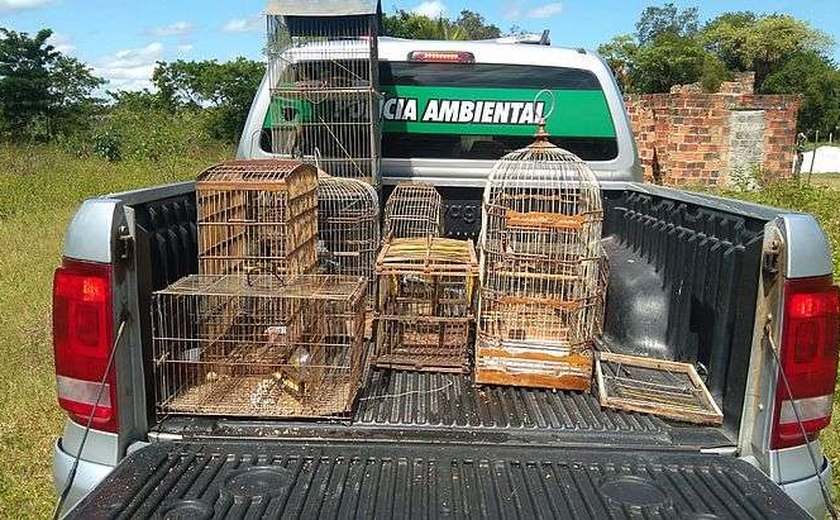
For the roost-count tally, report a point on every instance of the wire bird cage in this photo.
(543, 270)
(257, 216)
(259, 345)
(348, 229)
(426, 304)
(413, 211)
(324, 77)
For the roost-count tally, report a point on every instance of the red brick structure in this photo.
(689, 137)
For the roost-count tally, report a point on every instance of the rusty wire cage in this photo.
(259, 345)
(413, 211)
(257, 216)
(324, 77)
(348, 229)
(543, 270)
(426, 305)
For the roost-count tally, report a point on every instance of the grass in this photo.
(39, 190)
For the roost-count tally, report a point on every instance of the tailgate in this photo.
(273, 479)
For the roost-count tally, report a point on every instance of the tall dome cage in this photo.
(323, 71)
(348, 229)
(543, 270)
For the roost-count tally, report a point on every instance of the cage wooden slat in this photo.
(257, 216)
(427, 289)
(259, 345)
(543, 270)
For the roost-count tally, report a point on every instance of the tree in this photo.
(620, 54)
(226, 90)
(468, 26)
(817, 80)
(42, 92)
(671, 59)
(748, 42)
(668, 19)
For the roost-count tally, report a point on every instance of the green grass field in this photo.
(39, 190)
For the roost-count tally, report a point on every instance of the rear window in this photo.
(474, 111)
(483, 111)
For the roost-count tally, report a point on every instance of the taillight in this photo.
(441, 57)
(82, 337)
(808, 356)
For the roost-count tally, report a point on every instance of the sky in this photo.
(122, 40)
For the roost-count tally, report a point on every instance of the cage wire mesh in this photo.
(324, 82)
(348, 229)
(543, 270)
(413, 211)
(259, 345)
(257, 216)
(426, 304)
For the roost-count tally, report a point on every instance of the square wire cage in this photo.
(543, 270)
(413, 211)
(259, 346)
(348, 230)
(323, 71)
(427, 289)
(257, 217)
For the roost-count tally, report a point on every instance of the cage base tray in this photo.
(658, 387)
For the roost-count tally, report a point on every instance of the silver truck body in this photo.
(92, 235)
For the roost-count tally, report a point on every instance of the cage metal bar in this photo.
(259, 345)
(413, 211)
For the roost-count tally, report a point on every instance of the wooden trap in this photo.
(664, 388)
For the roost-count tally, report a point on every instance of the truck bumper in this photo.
(88, 476)
(807, 493)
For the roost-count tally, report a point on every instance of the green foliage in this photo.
(669, 60)
(468, 26)
(43, 94)
(223, 90)
(746, 41)
(657, 21)
(818, 81)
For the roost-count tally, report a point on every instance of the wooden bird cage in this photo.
(323, 71)
(259, 345)
(257, 217)
(543, 270)
(427, 289)
(348, 229)
(413, 211)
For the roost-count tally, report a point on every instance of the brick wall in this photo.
(692, 138)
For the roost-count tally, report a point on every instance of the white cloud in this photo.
(62, 43)
(244, 25)
(7, 6)
(430, 8)
(545, 10)
(130, 69)
(174, 29)
(185, 48)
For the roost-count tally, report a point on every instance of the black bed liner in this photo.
(287, 479)
(430, 407)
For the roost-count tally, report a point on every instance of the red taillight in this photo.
(83, 330)
(441, 57)
(808, 356)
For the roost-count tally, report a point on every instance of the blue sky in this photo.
(122, 40)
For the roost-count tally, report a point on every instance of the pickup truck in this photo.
(743, 292)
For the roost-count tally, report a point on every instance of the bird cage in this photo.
(348, 229)
(413, 211)
(543, 270)
(259, 345)
(257, 216)
(426, 304)
(324, 81)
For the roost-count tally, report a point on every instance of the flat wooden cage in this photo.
(259, 345)
(427, 289)
(543, 270)
(257, 217)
